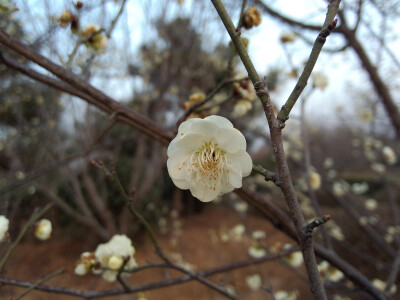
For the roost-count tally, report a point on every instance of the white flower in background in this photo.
(340, 188)
(389, 156)
(254, 282)
(335, 275)
(359, 188)
(256, 251)
(231, 289)
(328, 162)
(43, 229)
(381, 285)
(319, 80)
(208, 156)
(3, 227)
(371, 204)
(294, 259)
(363, 220)
(241, 206)
(112, 255)
(315, 180)
(258, 234)
(237, 232)
(283, 295)
(378, 167)
(323, 267)
(241, 108)
(87, 261)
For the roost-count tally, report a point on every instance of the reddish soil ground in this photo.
(199, 244)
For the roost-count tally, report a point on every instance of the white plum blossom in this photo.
(371, 204)
(86, 262)
(315, 180)
(359, 188)
(283, 295)
(3, 227)
(43, 229)
(257, 251)
(258, 234)
(381, 285)
(254, 282)
(208, 156)
(340, 188)
(389, 155)
(294, 259)
(112, 255)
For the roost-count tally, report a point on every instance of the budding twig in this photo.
(309, 228)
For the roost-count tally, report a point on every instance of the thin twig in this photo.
(276, 138)
(268, 175)
(326, 30)
(39, 282)
(153, 285)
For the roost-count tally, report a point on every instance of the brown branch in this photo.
(153, 285)
(281, 221)
(102, 101)
(308, 230)
(326, 30)
(89, 222)
(287, 20)
(376, 80)
(275, 128)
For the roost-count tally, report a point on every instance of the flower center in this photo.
(207, 165)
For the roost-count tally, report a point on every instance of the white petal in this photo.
(226, 188)
(182, 184)
(185, 126)
(204, 193)
(220, 121)
(231, 140)
(244, 159)
(175, 168)
(185, 145)
(206, 128)
(235, 175)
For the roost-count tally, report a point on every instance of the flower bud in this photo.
(251, 17)
(43, 229)
(115, 262)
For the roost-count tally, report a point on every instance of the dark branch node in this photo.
(261, 88)
(309, 228)
(238, 31)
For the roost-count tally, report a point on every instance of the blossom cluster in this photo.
(108, 258)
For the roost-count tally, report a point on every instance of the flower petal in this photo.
(174, 166)
(204, 193)
(182, 184)
(231, 140)
(220, 121)
(185, 145)
(184, 127)
(206, 128)
(235, 174)
(244, 159)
